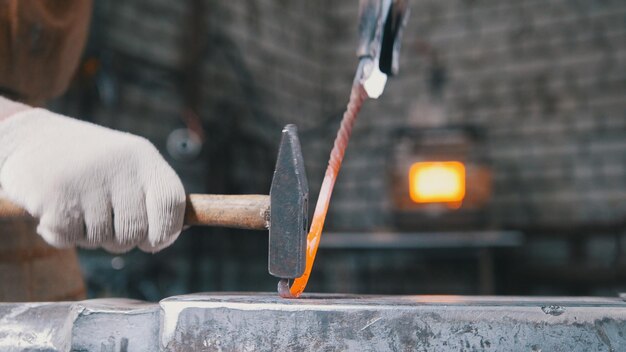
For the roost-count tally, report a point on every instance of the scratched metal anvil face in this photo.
(265, 322)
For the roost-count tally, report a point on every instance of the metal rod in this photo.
(357, 97)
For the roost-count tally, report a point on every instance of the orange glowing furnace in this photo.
(437, 182)
(439, 179)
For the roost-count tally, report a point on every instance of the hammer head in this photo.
(289, 215)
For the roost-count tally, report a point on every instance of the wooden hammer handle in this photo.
(250, 211)
(235, 211)
(11, 210)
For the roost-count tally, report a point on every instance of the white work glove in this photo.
(89, 186)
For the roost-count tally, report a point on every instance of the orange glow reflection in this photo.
(437, 182)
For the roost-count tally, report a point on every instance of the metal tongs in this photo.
(381, 23)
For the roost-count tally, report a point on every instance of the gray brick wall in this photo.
(546, 81)
(263, 68)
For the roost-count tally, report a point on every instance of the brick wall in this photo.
(545, 80)
(262, 67)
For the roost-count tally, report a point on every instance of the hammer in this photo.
(284, 212)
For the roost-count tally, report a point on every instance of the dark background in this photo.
(543, 81)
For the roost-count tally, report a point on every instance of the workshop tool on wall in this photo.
(380, 31)
(284, 212)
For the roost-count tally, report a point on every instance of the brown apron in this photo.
(41, 42)
(31, 270)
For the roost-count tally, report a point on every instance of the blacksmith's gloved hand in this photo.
(89, 186)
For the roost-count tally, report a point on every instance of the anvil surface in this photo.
(265, 322)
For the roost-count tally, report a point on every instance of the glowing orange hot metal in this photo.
(357, 96)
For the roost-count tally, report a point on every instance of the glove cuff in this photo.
(9, 108)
